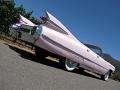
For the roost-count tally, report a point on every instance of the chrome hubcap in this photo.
(70, 65)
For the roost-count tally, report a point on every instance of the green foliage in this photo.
(116, 76)
(21, 10)
(36, 21)
(28, 14)
(9, 14)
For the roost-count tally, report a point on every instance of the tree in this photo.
(28, 14)
(9, 14)
(34, 20)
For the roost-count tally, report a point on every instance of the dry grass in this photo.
(22, 45)
(18, 44)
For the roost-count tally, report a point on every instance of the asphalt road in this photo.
(20, 70)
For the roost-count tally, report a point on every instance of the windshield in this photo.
(95, 49)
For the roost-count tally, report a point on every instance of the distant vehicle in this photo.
(54, 39)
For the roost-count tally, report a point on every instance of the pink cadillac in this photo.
(53, 38)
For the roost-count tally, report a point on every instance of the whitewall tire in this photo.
(70, 65)
(105, 77)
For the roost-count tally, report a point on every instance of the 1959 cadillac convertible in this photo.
(53, 38)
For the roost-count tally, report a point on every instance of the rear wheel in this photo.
(68, 64)
(40, 53)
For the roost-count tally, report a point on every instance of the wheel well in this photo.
(110, 72)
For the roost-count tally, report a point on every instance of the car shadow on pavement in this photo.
(32, 57)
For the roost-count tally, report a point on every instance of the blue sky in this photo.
(91, 21)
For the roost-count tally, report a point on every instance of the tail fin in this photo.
(25, 23)
(55, 24)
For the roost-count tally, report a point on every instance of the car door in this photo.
(90, 60)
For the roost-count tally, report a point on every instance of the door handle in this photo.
(88, 50)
